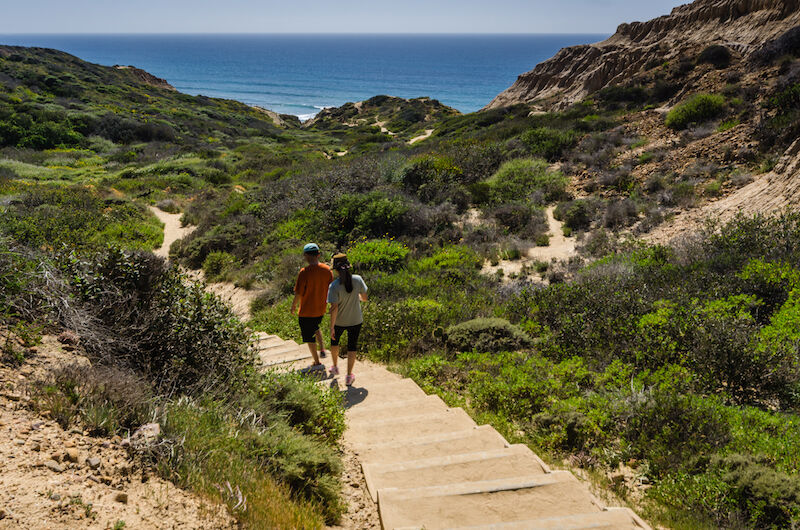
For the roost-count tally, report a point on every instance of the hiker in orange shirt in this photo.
(311, 292)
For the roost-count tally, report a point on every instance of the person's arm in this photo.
(363, 294)
(298, 286)
(334, 311)
(362, 297)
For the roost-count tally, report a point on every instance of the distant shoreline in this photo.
(300, 74)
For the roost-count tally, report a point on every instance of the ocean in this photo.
(301, 74)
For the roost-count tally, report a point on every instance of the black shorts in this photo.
(309, 327)
(352, 336)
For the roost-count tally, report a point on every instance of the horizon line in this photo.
(287, 33)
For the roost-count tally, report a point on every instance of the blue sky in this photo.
(326, 16)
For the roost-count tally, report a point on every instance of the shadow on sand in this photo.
(354, 395)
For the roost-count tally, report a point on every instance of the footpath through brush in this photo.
(430, 466)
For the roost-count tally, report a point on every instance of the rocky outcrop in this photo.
(743, 26)
(146, 77)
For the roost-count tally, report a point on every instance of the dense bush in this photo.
(548, 143)
(522, 178)
(79, 217)
(487, 334)
(378, 254)
(697, 109)
(522, 219)
(157, 323)
(216, 263)
(576, 215)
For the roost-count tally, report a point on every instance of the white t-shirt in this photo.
(349, 305)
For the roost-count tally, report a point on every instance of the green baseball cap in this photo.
(311, 248)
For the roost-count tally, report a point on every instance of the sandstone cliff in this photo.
(743, 26)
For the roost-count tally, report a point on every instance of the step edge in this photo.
(477, 487)
(440, 437)
(372, 470)
(455, 411)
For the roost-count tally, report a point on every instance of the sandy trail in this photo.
(560, 248)
(173, 230)
(239, 299)
(427, 134)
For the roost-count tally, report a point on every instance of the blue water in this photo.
(300, 74)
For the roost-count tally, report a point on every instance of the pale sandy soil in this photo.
(427, 134)
(74, 494)
(560, 248)
(172, 230)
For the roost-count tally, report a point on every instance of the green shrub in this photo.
(371, 215)
(213, 444)
(378, 254)
(79, 217)
(157, 323)
(549, 143)
(576, 215)
(521, 218)
(487, 334)
(434, 178)
(699, 108)
(517, 179)
(770, 499)
(671, 429)
(216, 263)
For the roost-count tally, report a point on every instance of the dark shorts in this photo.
(309, 327)
(352, 336)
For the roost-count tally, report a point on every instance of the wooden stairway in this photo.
(430, 466)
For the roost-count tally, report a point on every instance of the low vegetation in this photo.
(669, 373)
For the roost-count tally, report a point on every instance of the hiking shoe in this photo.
(323, 354)
(349, 379)
(334, 371)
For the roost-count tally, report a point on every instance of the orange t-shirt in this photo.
(312, 289)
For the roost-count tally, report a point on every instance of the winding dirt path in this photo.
(173, 230)
(560, 248)
(427, 134)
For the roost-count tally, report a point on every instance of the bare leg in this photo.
(320, 342)
(351, 361)
(312, 347)
(335, 355)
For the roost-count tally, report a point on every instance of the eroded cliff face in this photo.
(743, 26)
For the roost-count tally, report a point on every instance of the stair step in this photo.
(496, 501)
(402, 390)
(274, 361)
(439, 444)
(268, 340)
(396, 408)
(409, 428)
(610, 518)
(514, 461)
(279, 349)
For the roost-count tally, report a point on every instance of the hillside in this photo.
(386, 115)
(742, 26)
(521, 263)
